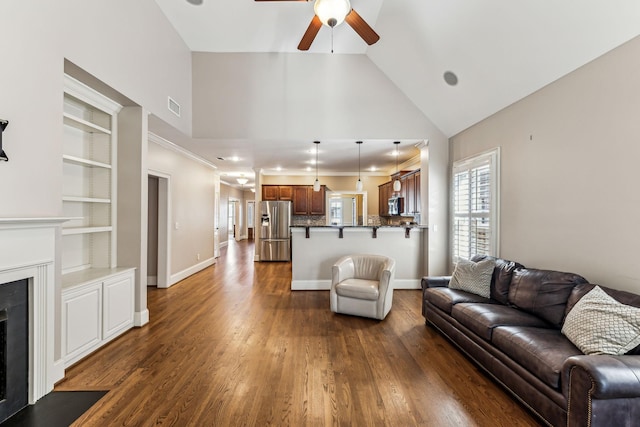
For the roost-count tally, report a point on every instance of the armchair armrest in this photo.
(602, 390)
(435, 281)
(343, 269)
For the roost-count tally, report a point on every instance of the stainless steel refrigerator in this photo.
(275, 236)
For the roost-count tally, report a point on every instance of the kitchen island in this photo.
(314, 250)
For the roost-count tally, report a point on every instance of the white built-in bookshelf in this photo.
(97, 296)
(89, 179)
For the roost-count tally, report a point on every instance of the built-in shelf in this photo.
(88, 275)
(85, 162)
(84, 125)
(85, 199)
(85, 230)
(89, 179)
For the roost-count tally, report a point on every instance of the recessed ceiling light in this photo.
(278, 168)
(450, 78)
(235, 159)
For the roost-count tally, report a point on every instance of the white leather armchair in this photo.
(362, 285)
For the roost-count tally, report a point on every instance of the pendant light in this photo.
(316, 183)
(359, 183)
(396, 184)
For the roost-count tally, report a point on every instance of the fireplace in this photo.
(14, 349)
(28, 258)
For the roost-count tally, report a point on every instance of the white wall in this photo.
(293, 96)
(569, 171)
(192, 188)
(137, 52)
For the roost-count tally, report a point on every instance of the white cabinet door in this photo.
(82, 321)
(118, 305)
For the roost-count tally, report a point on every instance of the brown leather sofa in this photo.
(515, 336)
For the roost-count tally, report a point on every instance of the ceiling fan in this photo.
(332, 13)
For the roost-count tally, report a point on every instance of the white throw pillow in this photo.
(474, 277)
(598, 324)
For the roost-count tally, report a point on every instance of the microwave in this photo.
(396, 205)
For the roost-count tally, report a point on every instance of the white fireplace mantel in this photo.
(28, 251)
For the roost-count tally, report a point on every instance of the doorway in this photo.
(158, 231)
(251, 208)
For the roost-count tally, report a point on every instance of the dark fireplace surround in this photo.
(14, 347)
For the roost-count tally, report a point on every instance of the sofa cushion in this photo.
(627, 298)
(543, 292)
(358, 288)
(501, 278)
(483, 318)
(446, 298)
(598, 324)
(541, 351)
(474, 277)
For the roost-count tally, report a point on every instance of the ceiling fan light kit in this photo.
(332, 13)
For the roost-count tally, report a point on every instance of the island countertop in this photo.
(361, 226)
(314, 249)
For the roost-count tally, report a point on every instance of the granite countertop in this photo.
(361, 226)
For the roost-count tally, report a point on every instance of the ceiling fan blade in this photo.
(361, 27)
(310, 34)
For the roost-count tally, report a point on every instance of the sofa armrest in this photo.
(602, 390)
(435, 281)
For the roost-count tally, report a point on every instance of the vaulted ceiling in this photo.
(500, 51)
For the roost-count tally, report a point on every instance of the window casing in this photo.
(475, 205)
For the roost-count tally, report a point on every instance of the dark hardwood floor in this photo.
(232, 345)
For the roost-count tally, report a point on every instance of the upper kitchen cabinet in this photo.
(305, 200)
(308, 202)
(277, 192)
(409, 191)
(385, 191)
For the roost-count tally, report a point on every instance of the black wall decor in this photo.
(3, 125)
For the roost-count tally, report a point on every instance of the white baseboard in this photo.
(152, 280)
(310, 285)
(175, 278)
(58, 371)
(223, 244)
(325, 285)
(407, 284)
(140, 318)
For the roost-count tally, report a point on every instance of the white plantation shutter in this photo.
(475, 206)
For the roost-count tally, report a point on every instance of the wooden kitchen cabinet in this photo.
(385, 191)
(317, 205)
(286, 192)
(277, 192)
(301, 202)
(410, 191)
(308, 202)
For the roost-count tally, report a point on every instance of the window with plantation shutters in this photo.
(475, 206)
